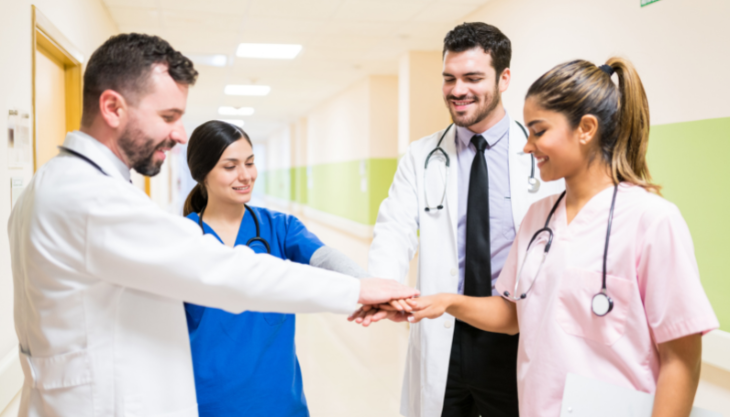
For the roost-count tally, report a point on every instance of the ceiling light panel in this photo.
(247, 90)
(235, 111)
(268, 50)
(210, 60)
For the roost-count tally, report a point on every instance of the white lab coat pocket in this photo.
(63, 382)
(574, 312)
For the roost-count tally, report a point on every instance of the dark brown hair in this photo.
(478, 34)
(124, 63)
(580, 88)
(206, 145)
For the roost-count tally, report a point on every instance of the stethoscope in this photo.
(251, 241)
(601, 304)
(533, 184)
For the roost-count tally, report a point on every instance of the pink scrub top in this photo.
(652, 277)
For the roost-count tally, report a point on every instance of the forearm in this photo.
(333, 260)
(679, 375)
(493, 314)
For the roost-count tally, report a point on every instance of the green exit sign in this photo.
(647, 2)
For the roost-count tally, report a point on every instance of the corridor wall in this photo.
(339, 159)
(87, 24)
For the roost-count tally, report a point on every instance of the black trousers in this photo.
(482, 379)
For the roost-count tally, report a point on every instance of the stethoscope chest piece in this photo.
(533, 185)
(601, 304)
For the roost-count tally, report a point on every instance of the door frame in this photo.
(47, 37)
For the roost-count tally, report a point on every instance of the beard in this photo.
(140, 150)
(485, 105)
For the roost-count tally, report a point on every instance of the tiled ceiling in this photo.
(344, 40)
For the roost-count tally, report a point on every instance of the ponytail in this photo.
(628, 162)
(579, 88)
(196, 201)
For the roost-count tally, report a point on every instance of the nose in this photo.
(178, 133)
(244, 174)
(460, 88)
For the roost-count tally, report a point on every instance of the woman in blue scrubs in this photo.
(246, 364)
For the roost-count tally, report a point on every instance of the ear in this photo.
(113, 108)
(587, 129)
(504, 80)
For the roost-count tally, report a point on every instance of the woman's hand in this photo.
(429, 307)
(396, 310)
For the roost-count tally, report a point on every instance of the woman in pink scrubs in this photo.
(594, 133)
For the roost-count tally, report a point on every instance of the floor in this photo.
(349, 370)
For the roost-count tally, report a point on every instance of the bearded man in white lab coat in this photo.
(487, 184)
(100, 272)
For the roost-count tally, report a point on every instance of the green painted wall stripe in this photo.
(689, 161)
(352, 190)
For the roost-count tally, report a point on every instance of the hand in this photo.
(429, 307)
(378, 291)
(368, 314)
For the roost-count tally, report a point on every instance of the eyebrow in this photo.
(468, 74)
(236, 159)
(174, 110)
(534, 122)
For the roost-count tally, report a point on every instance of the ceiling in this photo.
(344, 40)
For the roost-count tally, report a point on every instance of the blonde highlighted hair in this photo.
(580, 88)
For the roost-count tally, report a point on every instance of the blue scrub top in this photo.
(246, 364)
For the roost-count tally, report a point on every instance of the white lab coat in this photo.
(100, 273)
(396, 239)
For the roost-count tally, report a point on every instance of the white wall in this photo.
(87, 24)
(679, 47)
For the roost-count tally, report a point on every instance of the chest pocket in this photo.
(574, 312)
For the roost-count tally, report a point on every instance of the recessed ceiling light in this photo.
(234, 122)
(268, 50)
(247, 90)
(233, 111)
(211, 60)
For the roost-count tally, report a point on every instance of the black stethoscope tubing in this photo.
(601, 304)
(254, 239)
(534, 183)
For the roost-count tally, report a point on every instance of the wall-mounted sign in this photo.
(647, 2)
(16, 188)
(19, 147)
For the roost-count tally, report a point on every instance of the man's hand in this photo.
(378, 291)
(429, 307)
(366, 315)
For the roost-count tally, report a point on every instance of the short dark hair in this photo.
(123, 64)
(470, 35)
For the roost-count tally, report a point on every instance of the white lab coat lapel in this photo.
(80, 144)
(452, 192)
(519, 172)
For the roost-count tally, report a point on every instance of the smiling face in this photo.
(560, 150)
(232, 179)
(154, 124)
(471, 88)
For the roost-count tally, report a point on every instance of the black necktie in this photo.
(478, 262)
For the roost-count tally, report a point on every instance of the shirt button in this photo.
(447, 324)
(453, 272)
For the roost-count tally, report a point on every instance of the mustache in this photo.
(169, 143)
(464, 97)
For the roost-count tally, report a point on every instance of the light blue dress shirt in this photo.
(501, 223)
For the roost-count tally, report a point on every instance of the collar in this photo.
(492, 135)
(91, 148)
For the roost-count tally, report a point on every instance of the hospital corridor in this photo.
(364, 208)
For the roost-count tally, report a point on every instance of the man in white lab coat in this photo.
(465, 189)
(100, 272)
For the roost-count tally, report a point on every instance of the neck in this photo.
(106, 137)
(223, 212)
(490, 121)
(583, 185)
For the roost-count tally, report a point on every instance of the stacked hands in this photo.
(387, 299)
